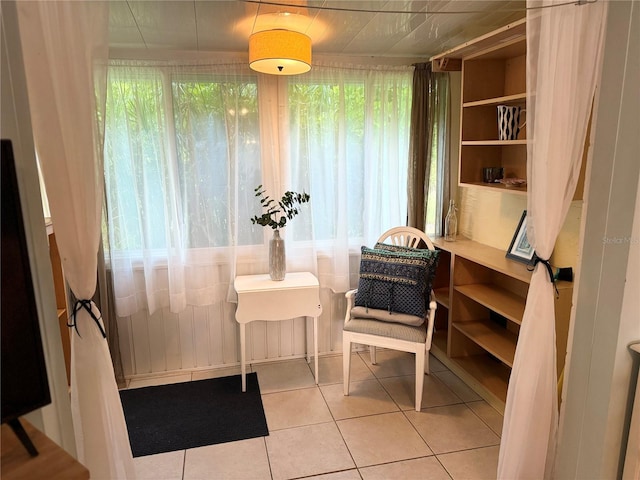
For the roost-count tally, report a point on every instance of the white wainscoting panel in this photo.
(207, 337)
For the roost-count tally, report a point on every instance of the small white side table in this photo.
(260, 298)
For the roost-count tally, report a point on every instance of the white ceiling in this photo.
(418, 28)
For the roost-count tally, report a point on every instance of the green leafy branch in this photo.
(278, 213)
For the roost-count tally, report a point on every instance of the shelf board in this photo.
(498, 299)
(496, 340)
(520, 98)
(496, 186)
(490, 374)
(442, 296)
(498, 143)
(487, 256)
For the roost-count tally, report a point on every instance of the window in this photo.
(348, 134)
(174, 147)
(319, 115)
(185, 148)
(216, 132)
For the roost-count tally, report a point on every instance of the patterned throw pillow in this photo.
(396, 280)
(431, 271)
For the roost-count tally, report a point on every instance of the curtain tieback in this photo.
(86, 304)
(536, 260)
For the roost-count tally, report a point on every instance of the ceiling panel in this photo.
(166, 24)
(224, 29)
(377, 28)
(122, 26)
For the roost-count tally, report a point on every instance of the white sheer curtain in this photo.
(187, 145)
(65, 50)
(563, 66)
(348, 143)
(182, 158)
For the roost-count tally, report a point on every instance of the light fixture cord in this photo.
(454, 12)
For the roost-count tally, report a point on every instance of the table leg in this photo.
(243, 366)
(307, 334)
(315, 345)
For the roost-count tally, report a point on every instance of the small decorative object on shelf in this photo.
(276, 216)
(520, 249)
(451, 223)
(513, 182)
(492, 174)
(509, 122)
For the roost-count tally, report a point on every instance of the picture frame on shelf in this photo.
(520, 249)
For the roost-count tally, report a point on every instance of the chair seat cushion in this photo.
(386, 316)
(387, 329)
(396, 281)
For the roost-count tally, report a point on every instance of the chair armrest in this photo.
(351, 298)
(432, 301)
(430, 320)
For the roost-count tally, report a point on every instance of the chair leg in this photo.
(346, 362)
(426, 363)
(372, 354)
(420, 366)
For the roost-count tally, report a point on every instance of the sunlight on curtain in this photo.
(186, 146)
(564, 55)
(348, 145)
(182, 158)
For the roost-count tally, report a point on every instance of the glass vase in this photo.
(451, 223)
(277, 258)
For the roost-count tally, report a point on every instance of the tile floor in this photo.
(375, 433)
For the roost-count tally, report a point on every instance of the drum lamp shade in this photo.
(280, 52)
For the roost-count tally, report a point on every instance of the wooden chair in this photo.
(396, 336)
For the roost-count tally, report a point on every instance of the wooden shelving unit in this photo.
(498, 143)
(501, 301)
(493, 73)
(517, 99)
(442, 296)
(497, 341)
(493, 375)
(486, 291)
(487, 296)
(60, 288)
(441, 291)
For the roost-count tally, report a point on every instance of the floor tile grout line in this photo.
(443, 467)
(433, 455)
(471, 449)
(416, 429)
(400, 410)
(483, 421)
(335, 422)
(328, 473)
(266, 450)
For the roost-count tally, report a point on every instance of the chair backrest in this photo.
(406, 237)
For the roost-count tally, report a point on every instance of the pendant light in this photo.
(280, 52)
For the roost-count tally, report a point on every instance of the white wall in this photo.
(595, 413)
